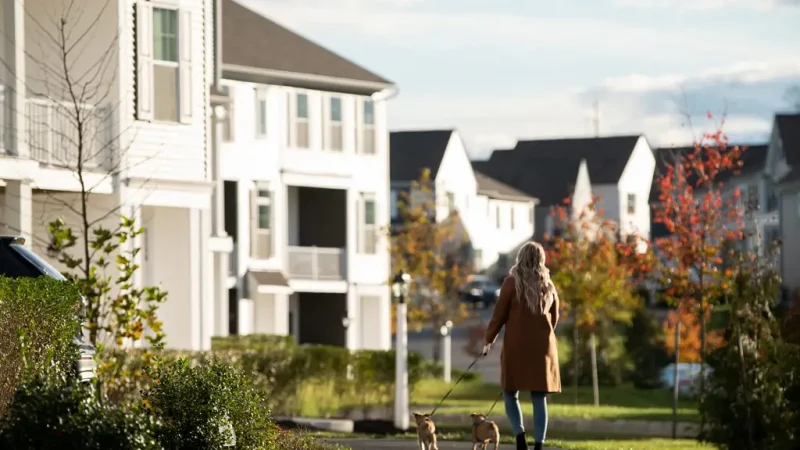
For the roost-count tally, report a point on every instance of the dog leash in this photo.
(494, 404)
(456, 384)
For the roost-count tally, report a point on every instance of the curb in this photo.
(337, 425)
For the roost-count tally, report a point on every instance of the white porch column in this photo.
(201, 317)
(221, 244)
(18, 210)
(14, 78)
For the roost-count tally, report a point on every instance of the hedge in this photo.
(38, 326)
(312, 379)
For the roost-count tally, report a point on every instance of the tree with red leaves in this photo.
(594, 272)
(703, 221)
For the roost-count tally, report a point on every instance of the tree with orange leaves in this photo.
(689, 339)
(702, 221)
(594, 273)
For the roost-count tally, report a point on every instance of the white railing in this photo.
(52, 134)
(316, 263)
(54, 138)
(233, 259)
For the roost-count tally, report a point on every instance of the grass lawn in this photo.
(623, 402)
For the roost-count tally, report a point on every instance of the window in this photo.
(301, 128)
(393, 199)
(369, 232)
(261, 224)
(335, 139)
(261, 112)
(368, 127)
(511, 215)
(631, 203)
(497, 216)
(227, 125)
(450, 199)
(166, 76)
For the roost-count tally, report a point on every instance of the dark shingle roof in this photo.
(606, 157)
(412, 151)
(754, 160)
(251, 40)
(789, 132)
(550, 180)
(492, 188)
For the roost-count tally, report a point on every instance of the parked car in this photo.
(480, 292)
(18, 261)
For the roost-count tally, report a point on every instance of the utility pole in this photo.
(596, 118)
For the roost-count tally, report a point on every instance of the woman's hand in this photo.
(486, 349)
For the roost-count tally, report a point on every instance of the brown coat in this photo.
(529, 359)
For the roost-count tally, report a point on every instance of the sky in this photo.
(504, 70)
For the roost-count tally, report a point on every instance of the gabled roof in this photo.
(492, 188)
(550, 180)
(412, 151)
(253, 41)
(606, 157)
(754, 160)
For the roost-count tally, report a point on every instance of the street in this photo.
(392, 444)
(422, 342)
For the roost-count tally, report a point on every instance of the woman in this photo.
(528, 308)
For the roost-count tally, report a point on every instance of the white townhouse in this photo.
(139, 72)
(496, 217)
(305, 160)
(618, 168)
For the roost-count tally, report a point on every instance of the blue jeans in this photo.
(514, 413)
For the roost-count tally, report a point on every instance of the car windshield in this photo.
(37, 261)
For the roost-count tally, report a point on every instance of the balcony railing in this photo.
(53, 135)
(233, 261)
(316, 263)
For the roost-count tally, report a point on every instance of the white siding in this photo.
(251, 158)
(637, 178)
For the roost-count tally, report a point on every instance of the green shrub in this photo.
(251, 342)
(38, 325)
(752, 397)
(613, 362)
(49, 412)
(196, 406)
(644, 343)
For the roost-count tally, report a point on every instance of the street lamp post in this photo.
(346, 326)
(400, 287)
(447, 356)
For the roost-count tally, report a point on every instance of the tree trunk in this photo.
(595, 383)
(575, 359)
(676, 379)
(702, 352)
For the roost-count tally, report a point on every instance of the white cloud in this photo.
(699, 5)
(669, 109)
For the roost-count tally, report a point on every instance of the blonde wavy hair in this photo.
(532, 278)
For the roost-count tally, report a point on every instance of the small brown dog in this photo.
(426, 432)
(483, 432)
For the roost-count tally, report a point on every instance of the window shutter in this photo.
(254, 222)
(144, 60)
(185, 66)
(289, 119)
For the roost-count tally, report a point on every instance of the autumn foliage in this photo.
(594, 271)
(703, 221)
(432, 250)
(689, 340)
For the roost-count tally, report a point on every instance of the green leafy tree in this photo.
(116, 310)
(435, 253)
(645, 343)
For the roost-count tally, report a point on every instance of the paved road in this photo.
(392, 444)
(422, 342)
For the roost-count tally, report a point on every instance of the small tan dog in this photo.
(426, 432)
(483, 432)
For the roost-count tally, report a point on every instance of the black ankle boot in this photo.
(521, 445)
(537, 446)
